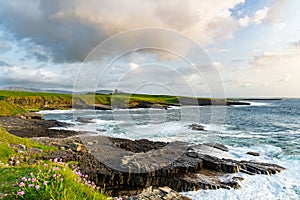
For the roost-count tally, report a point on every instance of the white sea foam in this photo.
(282, 186)
(253, 103)
(44, 112)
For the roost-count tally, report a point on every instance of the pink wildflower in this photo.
(37, 187)
(21, 184)
(21, 193)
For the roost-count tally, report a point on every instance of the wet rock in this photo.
(84, 120)
(196, 127)
(252, 153)
(217, 146)
(161, 193)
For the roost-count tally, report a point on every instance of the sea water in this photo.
(271, 128)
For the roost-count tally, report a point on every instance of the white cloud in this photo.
(272, 14)
(284, 57)
(276, 13)
(258, 17)
(244, 21)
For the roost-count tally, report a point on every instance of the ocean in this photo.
(269, 127)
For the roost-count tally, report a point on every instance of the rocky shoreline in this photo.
(28, 127)
(126, 167)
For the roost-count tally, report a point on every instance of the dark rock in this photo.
(252, 153)
(84, 120)
(31, 116)
(217, 146)
(238, 103)
(136, 146)
(196, 127)
(35, 127)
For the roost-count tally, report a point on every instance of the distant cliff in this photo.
(16, 102)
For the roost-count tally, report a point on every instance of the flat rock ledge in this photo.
(33, 125)
(126, 167)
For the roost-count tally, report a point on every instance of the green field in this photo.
(18, 102)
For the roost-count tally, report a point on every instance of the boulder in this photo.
(252, 153)
(196, 127)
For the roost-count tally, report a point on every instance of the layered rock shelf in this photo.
(126, 167)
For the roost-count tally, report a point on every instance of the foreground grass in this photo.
(6, 139)
(9, 177)
(43, 180)
(50, 180)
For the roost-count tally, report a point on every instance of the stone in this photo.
(253, 153)
(35, 150)
(162, 193)
(76, 146)
(21, 147)
(95, 141)
(222, 147)
(196, 127)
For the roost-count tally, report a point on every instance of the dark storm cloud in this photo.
(70, 29)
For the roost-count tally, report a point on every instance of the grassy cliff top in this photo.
(18, 102)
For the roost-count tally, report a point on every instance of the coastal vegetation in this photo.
(40, 179)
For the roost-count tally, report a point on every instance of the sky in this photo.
(231, 48)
